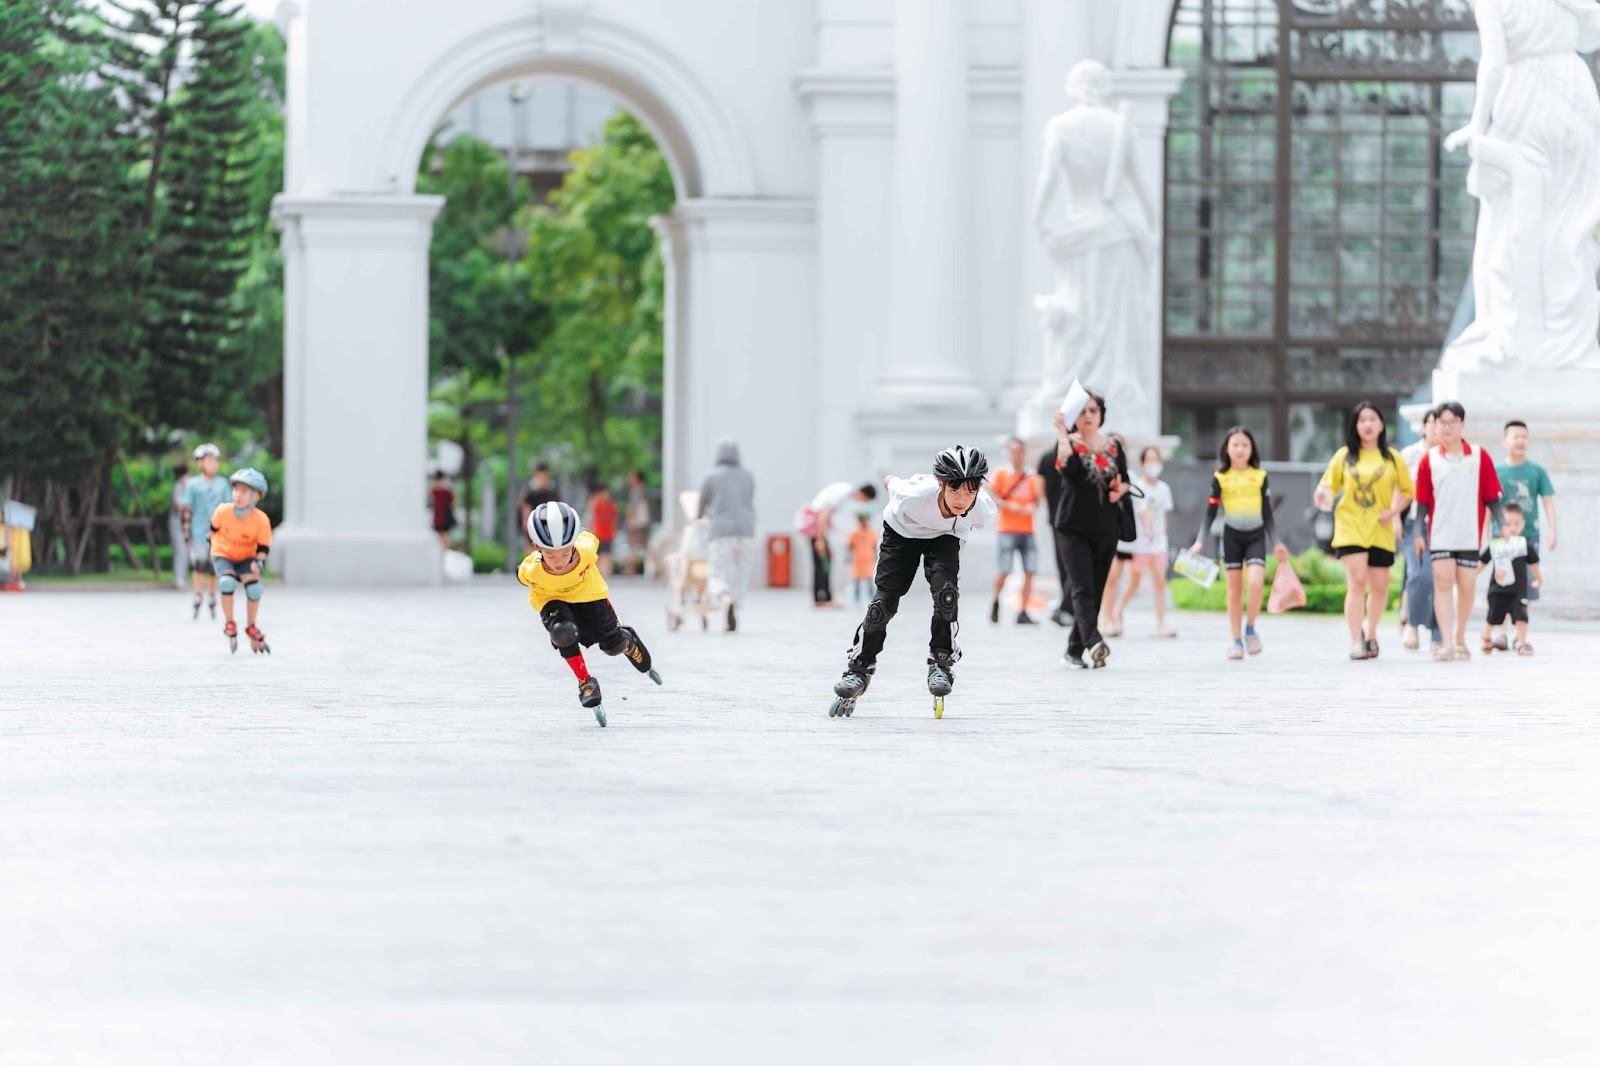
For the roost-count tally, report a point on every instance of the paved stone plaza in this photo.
(400, 840)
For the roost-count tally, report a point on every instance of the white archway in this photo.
(738, 264)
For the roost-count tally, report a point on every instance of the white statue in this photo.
(1097, 322)
(1534, 139)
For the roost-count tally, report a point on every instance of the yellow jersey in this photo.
(1242, 495)
(582, 584)
(1365, 490)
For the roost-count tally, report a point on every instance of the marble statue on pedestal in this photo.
(1097, 318)
(1531, 351)
(1534, 140)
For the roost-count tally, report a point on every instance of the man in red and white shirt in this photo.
(1456, 486)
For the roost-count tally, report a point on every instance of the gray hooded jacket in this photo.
(728, 497)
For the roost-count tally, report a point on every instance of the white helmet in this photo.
(204, 450)
(553, 526)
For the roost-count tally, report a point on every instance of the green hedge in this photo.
(1322, 576)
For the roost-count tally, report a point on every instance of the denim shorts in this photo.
(1009, 544)
(235, 567)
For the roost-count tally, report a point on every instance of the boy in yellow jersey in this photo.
(568, 590)
(240, 538)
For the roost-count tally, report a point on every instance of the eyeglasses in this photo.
(1447, 423)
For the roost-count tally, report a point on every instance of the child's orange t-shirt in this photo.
(863, 552)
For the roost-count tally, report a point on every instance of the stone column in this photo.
(852, 124)
(741, 347)
(929, 290)
(355, 381)
(1151, 92)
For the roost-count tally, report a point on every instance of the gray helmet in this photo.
(553, 526)
(206, 449)
(250, 477)
(960, 464)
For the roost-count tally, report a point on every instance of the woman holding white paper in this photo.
(1094, 472)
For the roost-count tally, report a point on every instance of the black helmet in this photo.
(960, 464)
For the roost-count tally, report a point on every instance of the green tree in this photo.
(593, 259)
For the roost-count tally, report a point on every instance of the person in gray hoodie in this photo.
(727, 502)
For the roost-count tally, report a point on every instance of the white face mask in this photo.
(1153, 470)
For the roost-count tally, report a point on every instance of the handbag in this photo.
(1287, 592)
(1127, 523)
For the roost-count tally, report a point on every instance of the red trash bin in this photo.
(778, 561)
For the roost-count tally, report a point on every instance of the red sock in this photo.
(580, 669)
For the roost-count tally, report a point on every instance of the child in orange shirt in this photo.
(863, 557)
(240, 537)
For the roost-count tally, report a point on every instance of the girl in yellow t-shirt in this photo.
(1373, 487)
(567, 588)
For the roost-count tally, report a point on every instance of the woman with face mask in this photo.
(1149, 548)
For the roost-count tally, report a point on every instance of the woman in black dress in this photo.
(1094, 473)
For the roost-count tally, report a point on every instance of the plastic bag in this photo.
(1287, 592)
(1197, 568)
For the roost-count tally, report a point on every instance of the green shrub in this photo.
(1322, 576)
(488, 558)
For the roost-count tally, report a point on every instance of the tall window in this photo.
(1318, 236)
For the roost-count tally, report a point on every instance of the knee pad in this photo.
(879, 611)
(614, 642)
(252, 591)
(945, 602)
(227, 584)
(564, 634)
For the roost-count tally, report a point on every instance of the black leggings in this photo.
(1088, 562)
(821, 572)
(898, 559)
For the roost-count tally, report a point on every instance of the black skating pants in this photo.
(595, 623)
(1088, 562)
(898, 559)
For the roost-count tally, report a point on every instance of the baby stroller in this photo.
(688, 568)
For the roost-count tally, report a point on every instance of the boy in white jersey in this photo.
(927, 520)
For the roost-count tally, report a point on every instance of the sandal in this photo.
(1359, 652)
(1500, 644)
(1461, 654)
(1524, 648)
(1488, 645)
(1441, 654)
(1372, 649)
(1409, 642)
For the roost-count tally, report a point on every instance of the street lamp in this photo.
(519, 94)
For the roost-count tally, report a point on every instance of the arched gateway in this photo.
(850, 262)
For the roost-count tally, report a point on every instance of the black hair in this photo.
(180, 470)
(1223, 462)
(1352, 438)
(1014, 440)
(542, 468)
(1511, 508)
(599, 486)
(1453, 407)
(640, 474)
(869, 490)
(1514, 424)
(1100, 402)
(1431, 415)
(1148, 448)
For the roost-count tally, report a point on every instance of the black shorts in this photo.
(1379, 557)
(605, 547)
(1466, 559)
(1243, 547)
(1126, 557)
(1503, 607)
(595, 620)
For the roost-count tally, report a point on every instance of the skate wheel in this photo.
(600, 716)
(938, 706)
(836, 708)
(233, 644)
(655, 677)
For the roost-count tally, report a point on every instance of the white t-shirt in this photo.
(913, 510)
(836, 497)
(1454, 489)
(1157, 504)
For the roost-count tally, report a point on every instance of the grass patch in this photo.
(1322, 576)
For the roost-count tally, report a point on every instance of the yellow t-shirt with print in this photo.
(1367, 489)
(582, 584)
